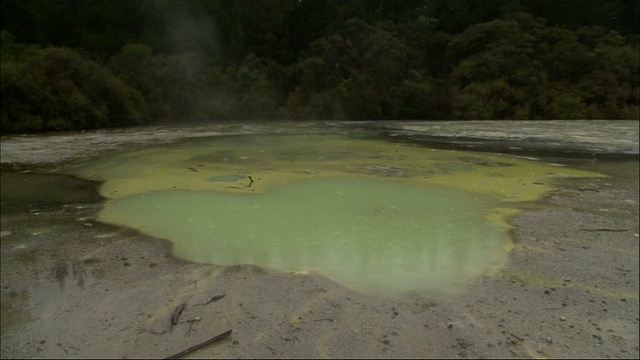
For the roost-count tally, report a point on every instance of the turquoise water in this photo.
(373, 235)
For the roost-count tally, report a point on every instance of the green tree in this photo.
(492, 59)
(100, 27)
(495, 99)
(361, 69)
(426, 45)
(58, 89)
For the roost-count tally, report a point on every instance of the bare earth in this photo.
(72, 287)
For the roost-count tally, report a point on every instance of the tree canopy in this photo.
(88, 64)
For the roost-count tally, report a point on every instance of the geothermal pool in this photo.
(377, 216)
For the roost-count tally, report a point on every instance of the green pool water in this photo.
(376, 216)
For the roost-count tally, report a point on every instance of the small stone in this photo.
(549, 340)
(126, 263)
(562, 318)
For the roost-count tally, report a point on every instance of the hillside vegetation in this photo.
(90, 64)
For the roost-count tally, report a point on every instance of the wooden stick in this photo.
(175, 316)
(215, 298)
(201, 345)
(604, 229)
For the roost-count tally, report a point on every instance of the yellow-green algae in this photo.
(279, 159)
(377, 216)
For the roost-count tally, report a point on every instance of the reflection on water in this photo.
(377, 216)
(59, 280)
(73, 271)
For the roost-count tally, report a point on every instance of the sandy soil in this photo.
(72, 287)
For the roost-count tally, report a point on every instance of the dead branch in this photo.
(175, 316)
(215, 298)
(201, 345)
(191, 322)
(604, 229)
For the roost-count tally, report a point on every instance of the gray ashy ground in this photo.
(590, 137)
(72, 287)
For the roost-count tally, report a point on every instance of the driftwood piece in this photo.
(201, 345)
(175, 316)
(214, 298)
(604, 229)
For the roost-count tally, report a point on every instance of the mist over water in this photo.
(376, 216)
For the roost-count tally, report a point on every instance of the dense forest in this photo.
(84, 64)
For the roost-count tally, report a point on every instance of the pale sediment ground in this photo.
(586, 136)
(73, 287)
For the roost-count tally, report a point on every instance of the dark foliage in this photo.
(89, 64)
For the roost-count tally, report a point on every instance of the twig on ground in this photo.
(201, 345)
(215, 298)
(325, 319)
(604, 229)
(386, 342)
(175, 316)
(191, 322)
(140, 329)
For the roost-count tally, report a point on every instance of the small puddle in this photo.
(376, 216)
